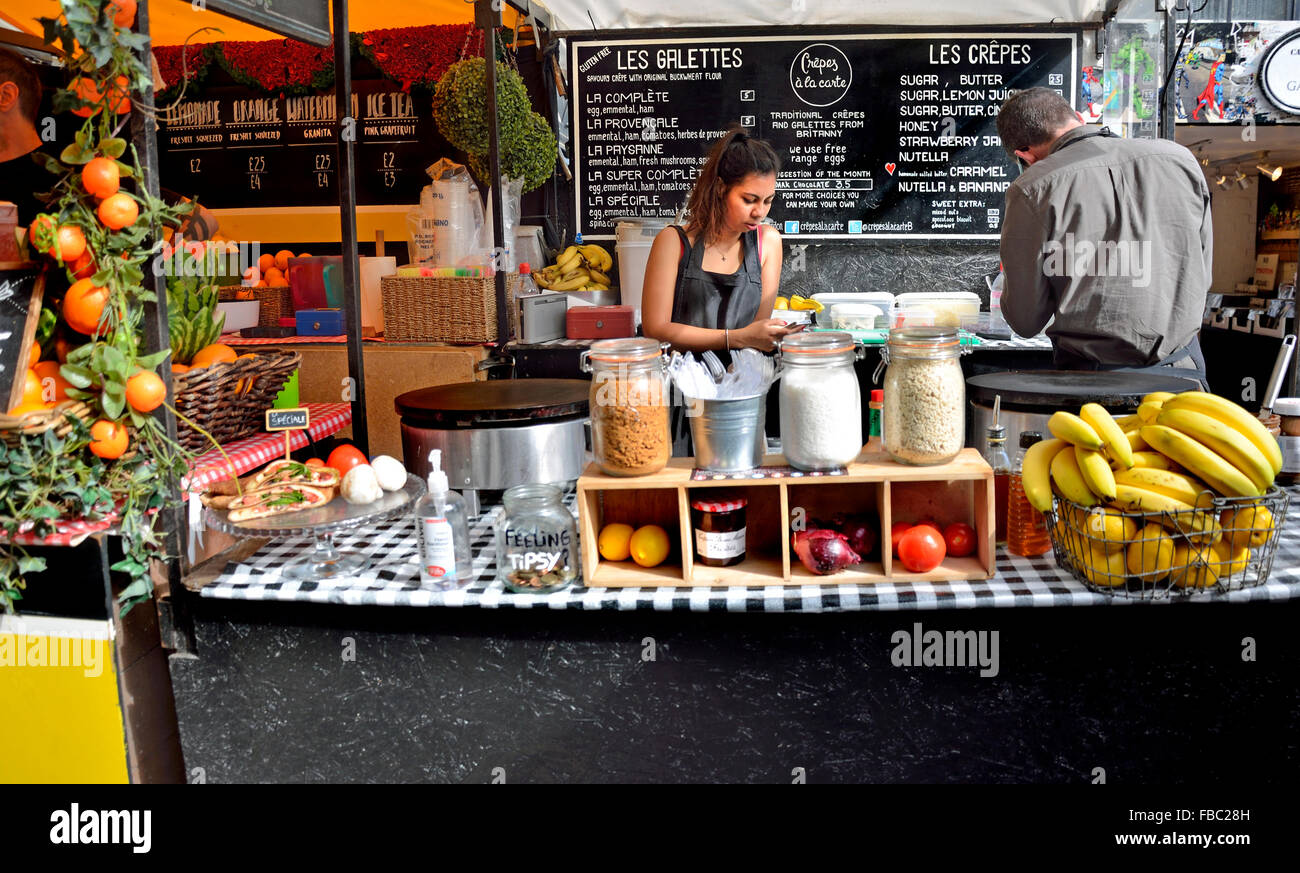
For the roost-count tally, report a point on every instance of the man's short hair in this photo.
(1032, 117)
(13, 68)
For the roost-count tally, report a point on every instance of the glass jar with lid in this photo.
(629, 406)
(537, 540)
(821, 403)
(925, 395)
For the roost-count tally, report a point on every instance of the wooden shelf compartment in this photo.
(961, 490)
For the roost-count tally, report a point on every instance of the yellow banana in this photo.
(1227, 441)
(1035, 474)
(1235, 417)
(1096, 473)
(1158, 396)
(1201, 461)
(579, 272)
(1174, 512)
(568, 259)
(1128, 422)
(1175, 485)
(571, 284)
(1148, 410)
(541, 279)
(1069, 480)
(1150, 459)
(600, 277)
(1116, 443)
(1073, 429)
(597, 256)
(1135, 441)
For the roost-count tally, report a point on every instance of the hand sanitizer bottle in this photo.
(443, 531)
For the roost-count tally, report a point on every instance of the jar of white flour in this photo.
(821, 403)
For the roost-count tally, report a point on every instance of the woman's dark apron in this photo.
(715, 301)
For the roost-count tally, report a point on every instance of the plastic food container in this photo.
(830, 299)
(947, 308)
(858, 316)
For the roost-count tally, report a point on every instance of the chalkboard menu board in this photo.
(881, 135)
(238, 148)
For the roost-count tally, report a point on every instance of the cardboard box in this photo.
(1286, 273)
(1219, 318)
(1266, 271)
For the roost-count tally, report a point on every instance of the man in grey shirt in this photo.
(1111, 236)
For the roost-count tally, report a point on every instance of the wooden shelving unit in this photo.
(961, 490)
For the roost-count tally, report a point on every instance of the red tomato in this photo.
(930, 522)
(314, 462)
(960, 539)
(896, 531)
(345, 457)
(921, 549)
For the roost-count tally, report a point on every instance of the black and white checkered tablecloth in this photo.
(393, 580)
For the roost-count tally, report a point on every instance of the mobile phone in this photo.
(795, 328)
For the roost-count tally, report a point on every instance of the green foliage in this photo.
(460, 106)
(532, 158)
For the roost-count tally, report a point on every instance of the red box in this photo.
(599, 322)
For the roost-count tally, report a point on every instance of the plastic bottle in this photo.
(995, 452)
(875, 418)
(442, 526)
(1026, 527)
(527, 286)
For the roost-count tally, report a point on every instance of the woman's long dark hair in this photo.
(731, 159)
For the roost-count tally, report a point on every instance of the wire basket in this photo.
(1225, 544)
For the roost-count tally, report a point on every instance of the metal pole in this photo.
(348, 222)
(487, 15)
(1165, 126)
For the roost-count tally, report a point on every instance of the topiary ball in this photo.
(531, 158)
(460, 105)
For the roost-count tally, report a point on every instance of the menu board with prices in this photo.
(239, 149)
(880, 135)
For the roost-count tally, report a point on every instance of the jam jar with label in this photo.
(719, 524)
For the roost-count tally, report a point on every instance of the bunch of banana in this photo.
(578, 268)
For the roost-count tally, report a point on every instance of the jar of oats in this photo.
(629, 406)
(925, 395)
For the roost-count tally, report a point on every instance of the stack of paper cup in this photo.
(372, 305)
(451, 220)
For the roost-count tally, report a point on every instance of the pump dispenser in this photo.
(443, 528)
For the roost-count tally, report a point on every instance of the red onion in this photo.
(824, 551)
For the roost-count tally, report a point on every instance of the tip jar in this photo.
(537, 540)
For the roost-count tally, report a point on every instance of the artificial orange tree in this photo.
(101, 229)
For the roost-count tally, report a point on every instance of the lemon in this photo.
(1104, 568)
(1230, 562)
(649, 545)
(1249, 526)
(781, 303)
(1109, 529)
(1151, 555)
(1191, 569)
(615, 542)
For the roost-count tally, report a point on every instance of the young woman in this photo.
(711, 285)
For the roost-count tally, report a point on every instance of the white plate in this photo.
(239, 314)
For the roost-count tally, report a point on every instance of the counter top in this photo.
(395, 582)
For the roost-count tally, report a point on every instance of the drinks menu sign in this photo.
(880, 135)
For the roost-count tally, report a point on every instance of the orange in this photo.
(217, 353)
(649, 545)
(83, 267)
(245, 294)
(145, 391)
(272, 274)
(71, 242)
(101, 177)
(54, 388)
(83, 305)
(303, 255)
(260, 283)
(265, 262)
(118, 211)
(282, 259)
(32, 388)
(121, 12)
(278, 283)
(34, 357)
(108, 439)
(314, 462)
(27, 409)
(180, 368)
(119, 96)
(615, 542)
(61, 349)
(84, 89)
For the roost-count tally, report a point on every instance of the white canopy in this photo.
(622, 14)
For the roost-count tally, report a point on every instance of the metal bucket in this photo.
(728, 434)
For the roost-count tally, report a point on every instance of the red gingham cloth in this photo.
(257, 451)
(234, 339)
(246, 454)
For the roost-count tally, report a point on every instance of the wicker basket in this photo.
(1081, 544)
(36, 423)
(228, 400)
(442, 309)
(276, 303)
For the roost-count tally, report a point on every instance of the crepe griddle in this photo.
(1032, 390)
(495, 403)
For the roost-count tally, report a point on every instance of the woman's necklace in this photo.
(720, 252)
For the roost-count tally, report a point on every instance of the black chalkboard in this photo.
(288, 419)
(307, 20)
(235, 147)
(883, 135)
(21, 288)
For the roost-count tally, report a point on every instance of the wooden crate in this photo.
(961, 490)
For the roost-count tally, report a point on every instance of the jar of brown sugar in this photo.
(629, 406)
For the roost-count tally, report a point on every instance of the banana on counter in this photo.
(578, 268)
